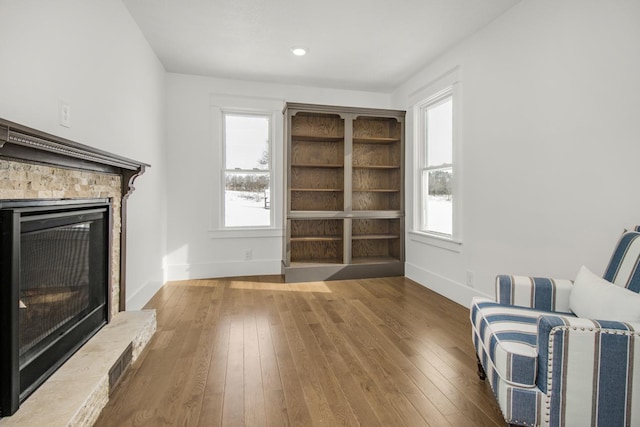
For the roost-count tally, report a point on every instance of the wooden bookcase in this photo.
(344, 185)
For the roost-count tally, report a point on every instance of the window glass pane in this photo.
(440, 133)
(246, 142)
(246, 200)
(437, 196)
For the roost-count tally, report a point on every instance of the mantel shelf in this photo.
(22, 143)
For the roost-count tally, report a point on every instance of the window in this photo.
(247, 170)
(435, 178)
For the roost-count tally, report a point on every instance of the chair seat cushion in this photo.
(506, 340)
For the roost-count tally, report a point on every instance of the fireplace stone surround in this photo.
(24, 181)
(36, 165)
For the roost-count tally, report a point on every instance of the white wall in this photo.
(551, 142)
(93, 56)
(549, 125)
(194, 172)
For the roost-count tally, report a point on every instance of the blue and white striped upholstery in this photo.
(506, 339)
(623, 267)
(549, 368)
(587, 371)
(540, 293)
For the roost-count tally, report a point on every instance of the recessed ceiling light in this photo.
(299, 51)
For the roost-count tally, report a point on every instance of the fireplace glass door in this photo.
(60, 267)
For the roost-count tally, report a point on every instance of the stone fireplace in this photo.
(20, 180)
(46, 174)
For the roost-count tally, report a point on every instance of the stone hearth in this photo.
(76, 393)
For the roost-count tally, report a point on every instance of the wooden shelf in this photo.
(314, 262)
(375, 140)
(376, 190)
(375, 236)
(317, 165)
(317, 138)
(358, 260)
(320, 240)
(316, 238)
(373, 260)
(375, 167)
(318, 189)
(316, 168)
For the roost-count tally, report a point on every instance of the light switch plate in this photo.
(64, 113)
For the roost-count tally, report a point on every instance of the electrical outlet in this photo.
(248, 255)
(470, 279)
(64, 114)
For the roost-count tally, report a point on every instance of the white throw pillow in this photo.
(592, 297)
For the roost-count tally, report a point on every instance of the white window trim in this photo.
(222, 104)
(447, 85)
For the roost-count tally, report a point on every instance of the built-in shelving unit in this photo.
(344, 186)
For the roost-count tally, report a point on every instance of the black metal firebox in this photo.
(54, 286)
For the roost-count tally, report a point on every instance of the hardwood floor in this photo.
(254, 351)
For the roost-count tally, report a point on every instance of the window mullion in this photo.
(263, 171)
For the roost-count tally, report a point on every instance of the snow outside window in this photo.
(247, 170)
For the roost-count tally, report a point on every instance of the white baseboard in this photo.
(446, 287)
(142, 296)
(223, 269)
(455, 291)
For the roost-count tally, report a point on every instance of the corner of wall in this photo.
(143, 294)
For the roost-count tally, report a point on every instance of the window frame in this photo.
(447, 88)
(224, 171)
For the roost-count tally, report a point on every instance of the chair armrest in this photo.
(584, 362)
(539, 293)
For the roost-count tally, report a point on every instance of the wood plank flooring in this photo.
(253, 351)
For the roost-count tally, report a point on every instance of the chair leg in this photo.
(481, 374)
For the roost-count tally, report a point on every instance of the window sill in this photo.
(435, 240)
(244, 233)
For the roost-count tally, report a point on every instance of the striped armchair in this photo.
(548, 367)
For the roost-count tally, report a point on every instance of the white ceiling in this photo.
(371, 45)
